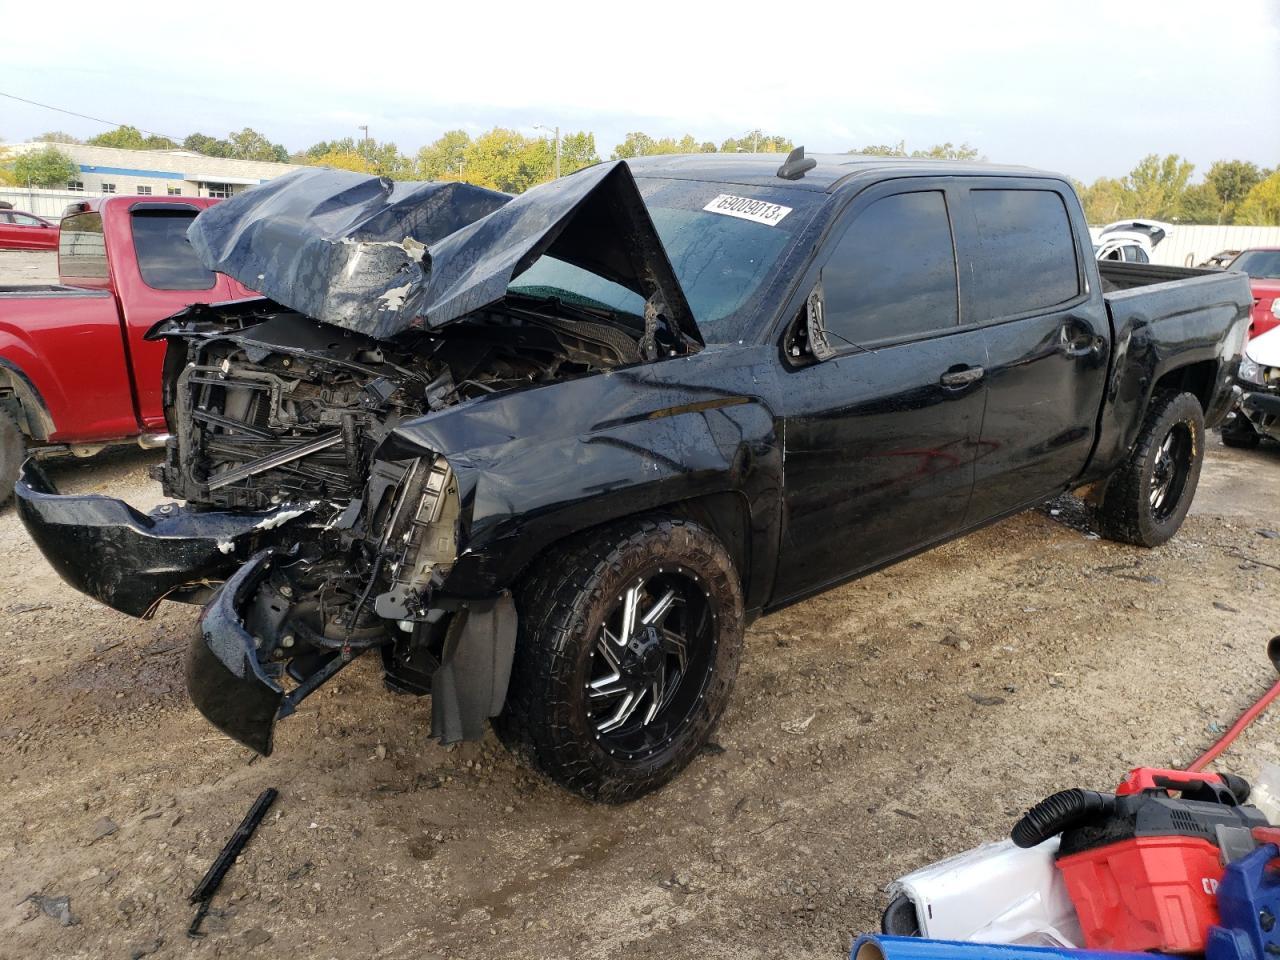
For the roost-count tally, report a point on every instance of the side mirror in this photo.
(816, 331)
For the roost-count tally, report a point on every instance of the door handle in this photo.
(962, 377)
(1078, 342)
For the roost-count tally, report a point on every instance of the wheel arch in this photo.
(21, 398)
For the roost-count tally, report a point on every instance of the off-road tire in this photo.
(1126, 513)
(13, 450)
(1239, 433)
(561, 606)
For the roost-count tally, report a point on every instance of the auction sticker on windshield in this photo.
(758, 211)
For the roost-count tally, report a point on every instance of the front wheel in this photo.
(1147, 499)
(629, 641)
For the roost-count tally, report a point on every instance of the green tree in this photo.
(1159, 185)
(503, 159)
(1105, 200)
(1232, 180)
(207, 146)
(131, 138)
(634, 144)
(56, 136)
(343, 160)
(1201, 204)
(757, 141)
(49, 167)
(1261, 205)
(947, 151)
(249, 144)
(444, 158)
(898, 149)
(577, 150)
(383, 159)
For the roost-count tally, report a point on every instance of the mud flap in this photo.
(224, 678)
(471, 684)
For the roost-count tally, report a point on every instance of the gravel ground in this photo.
(885, 724)
(28, 266)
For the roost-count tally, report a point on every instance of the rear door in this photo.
(879, 438)
(1047, 338)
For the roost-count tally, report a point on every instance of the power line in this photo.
(82, 116)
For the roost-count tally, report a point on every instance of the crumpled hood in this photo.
(381, 257)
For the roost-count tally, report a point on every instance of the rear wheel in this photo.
(1147, 499)
(629, 642)
(13, 450)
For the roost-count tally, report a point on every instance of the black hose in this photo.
(1064, 809)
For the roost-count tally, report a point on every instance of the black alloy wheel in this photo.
(628, 642)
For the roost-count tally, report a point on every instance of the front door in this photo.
(880, 438)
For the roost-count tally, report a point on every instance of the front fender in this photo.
(547, 463)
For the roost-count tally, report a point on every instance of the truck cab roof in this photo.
(833, 170)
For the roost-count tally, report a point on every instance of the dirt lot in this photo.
(888, 723)
(23, 266)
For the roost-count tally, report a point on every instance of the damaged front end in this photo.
(312, 535)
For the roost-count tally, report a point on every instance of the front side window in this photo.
(165, 257)
(1025, 258)
(81, 249)
(25, 220)
(893, 273)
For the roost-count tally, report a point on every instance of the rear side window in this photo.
(1026, 255)
(893, 273)
(165, 257)
(81, 251)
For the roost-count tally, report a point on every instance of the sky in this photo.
(1086, 88)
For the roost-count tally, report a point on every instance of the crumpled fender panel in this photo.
(536, 466)
(380, 258)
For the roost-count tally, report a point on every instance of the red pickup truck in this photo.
(75, 372)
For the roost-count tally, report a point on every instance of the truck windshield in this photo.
(1258, 263)
(723, 261)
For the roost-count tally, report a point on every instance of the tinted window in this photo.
(165, 257)
(81, 251)
(893, 273)
(1026, 257)
(1257, 263)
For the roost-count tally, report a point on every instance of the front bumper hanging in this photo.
(129, 560)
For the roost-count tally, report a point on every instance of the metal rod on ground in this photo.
(207, 887)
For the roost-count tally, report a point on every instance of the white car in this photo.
(1257, 414)
(1131, 241)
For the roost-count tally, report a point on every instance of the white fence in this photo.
(43, 203)
(1190, 246)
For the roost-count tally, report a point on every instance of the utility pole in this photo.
(556, 131)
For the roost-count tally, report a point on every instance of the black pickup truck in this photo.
(549, 455)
